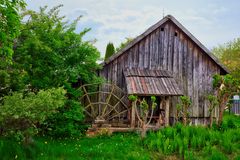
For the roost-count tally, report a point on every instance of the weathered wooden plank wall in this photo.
(169, 48)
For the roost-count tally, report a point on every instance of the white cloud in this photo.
(113, 20)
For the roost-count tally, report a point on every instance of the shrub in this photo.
(68, 121)
(22, 114)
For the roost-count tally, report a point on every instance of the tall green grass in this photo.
(185, 141)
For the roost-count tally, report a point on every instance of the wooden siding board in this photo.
(170, 48)
(161, 51)
(184, 66)
(189, 73)
(165, 47)
(195, 83)
(175, 55)
(200, 100)
(156, 48)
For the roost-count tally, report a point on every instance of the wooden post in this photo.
(167, 111)
(133, 114)
(160, 121)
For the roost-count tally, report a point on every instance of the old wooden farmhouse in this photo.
(166, 61)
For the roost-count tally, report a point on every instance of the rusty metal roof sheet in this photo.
(151, 82)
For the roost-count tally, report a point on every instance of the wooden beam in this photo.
(133, 115)
(160, 122)
(167, 99)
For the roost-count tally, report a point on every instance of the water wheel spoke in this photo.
(114, 107)
(118, 114)
(88, 113)
(107, 101)
(89, 101)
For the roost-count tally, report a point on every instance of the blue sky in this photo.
(212, 22)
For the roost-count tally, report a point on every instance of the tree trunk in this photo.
(144, 131)
(221, 110)
(211, 120)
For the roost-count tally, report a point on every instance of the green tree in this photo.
(10, 78)
(143, 111)
(229, 54)
(213, 102)
(110, 50)
(124, 44)
(226, 86)
(183, 108)
(52, 54)
(9, 25)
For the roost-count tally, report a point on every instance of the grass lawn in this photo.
(170, 143)
(118, 146)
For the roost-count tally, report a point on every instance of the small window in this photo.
(162, 29)
(176, 34)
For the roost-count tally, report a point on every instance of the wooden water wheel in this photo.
(105, 103)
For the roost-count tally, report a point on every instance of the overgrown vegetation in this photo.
(9, 26)
(196, 142)
(226, 86)
(183, 109)
(21, 114)
(188, 142)
(142, 109)
(48, 53)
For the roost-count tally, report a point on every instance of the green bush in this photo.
(68, 121)
(20, 115)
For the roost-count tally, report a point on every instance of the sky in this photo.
(212, 22)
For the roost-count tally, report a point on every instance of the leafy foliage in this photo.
(142, 110)
(110, 50)
(226, 86)
(124, 44)
(52, 54)
(23, 113)
(183, 108)
(9, 25)
(213, 102)
(229, 54)
(132, 98)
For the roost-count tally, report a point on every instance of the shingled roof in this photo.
(147, 82)
(157, 25)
